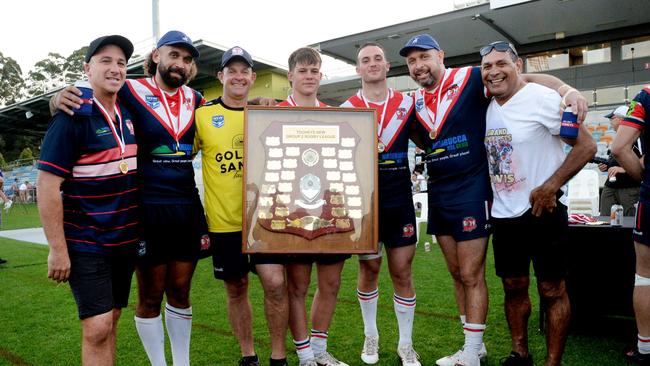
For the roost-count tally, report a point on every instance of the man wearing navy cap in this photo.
(173, 229)
(450, 110)
(92, 227)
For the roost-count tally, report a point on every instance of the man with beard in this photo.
(174, 232)
(396, 210)
(450, 110)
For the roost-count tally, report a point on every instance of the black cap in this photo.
(119, 41)
(236, 52)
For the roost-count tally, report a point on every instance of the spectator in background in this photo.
(14, 189)
(619, 188)
(4, 197)
(22, 192)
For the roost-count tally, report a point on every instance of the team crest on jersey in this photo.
(152, 101)
(205, 242)
(129, 125)
(452, 91)
(218, 121)
(408, 231)
(419, 104)
(469, 224)
(103, 131)
(401, 113)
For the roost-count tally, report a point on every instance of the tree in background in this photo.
(47, 74)
(11, 81)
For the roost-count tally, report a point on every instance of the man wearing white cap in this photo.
(620, 188)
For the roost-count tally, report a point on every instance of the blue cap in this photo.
(421, 41)
(236, 52)
(178, 38)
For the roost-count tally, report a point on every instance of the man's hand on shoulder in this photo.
(66, 100)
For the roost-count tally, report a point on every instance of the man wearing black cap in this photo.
(450, 110)
(172, 223)
(92, 233)
(220, 129)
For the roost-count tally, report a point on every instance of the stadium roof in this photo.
(532, 26)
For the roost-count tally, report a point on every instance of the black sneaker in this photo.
(3, 261)
(249, 361)
(515, 359)
(640, 358)
(280, 362)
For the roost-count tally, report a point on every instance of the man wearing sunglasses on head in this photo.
(523, 125)
(450, 110)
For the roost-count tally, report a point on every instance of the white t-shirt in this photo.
(523, 146)
(23, 187)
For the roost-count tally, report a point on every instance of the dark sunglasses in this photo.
(500, 46)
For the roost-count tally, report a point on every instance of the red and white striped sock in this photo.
(303, 350)
(368, 304)
(404, 311)
(318, 342)
(473, 339)
(644, 344)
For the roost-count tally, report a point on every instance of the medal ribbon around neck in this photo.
(382, 122)
(293, 103)
(434, 121)
(176, 128)
(124, 166)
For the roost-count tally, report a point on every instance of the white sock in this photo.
(318, 342)
(473, 339)
(368, 304)
(404, 311)
(463, 320)
(644, 344)
(179, 328)
(152, 336)
(303, 350)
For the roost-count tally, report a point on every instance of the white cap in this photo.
(620, 111)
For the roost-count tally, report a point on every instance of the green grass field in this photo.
(39, 326)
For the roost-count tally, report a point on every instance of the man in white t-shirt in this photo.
(529, 215)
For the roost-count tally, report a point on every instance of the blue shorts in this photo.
(464, 221)
(641, 232)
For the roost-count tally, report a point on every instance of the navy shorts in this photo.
(464, 221)
(641, 232)
(397, 226)
(230, 263)
(169, 232)
(101, 282)
(543, 240)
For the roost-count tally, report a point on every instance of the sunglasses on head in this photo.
(500, 46)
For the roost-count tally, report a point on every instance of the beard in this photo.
(170, 80)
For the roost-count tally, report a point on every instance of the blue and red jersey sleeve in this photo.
(639, 111)
(59, 150)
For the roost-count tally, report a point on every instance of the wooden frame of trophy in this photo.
(310, 180)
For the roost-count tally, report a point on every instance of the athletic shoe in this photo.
(462, 361)
(8, 205)
(640, 358)
(249, 361)
(326, 359)
(282, 362)
(408, 355)
(311, 362)
(451, 360)
(515, 359)
(370, 353)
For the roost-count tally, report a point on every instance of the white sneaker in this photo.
(370, 353)
(326, 359)
(452, 359)
(311, 362)
(408, 355)
(467, 361)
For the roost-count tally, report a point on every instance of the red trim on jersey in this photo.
(53, 166)
(102, 244)
(101, 229)
(119, 175)
(108, 155)
(632, 124)
(103, 195)
(104, 212)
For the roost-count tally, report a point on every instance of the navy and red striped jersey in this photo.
(455, 156)
(165, 166)
(394, 176)
(100, 203)
(638, 116)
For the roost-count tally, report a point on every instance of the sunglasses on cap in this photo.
(500, 46)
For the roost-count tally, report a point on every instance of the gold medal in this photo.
(124, 167)
(381, 147)
(433, 134)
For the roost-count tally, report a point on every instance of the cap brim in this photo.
(190, 47)
(405, 50)
(122, 42)
(609, 115)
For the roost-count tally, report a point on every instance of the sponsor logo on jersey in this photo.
(452, 91)
(103, 131)
(401, 113)
(469, 224)
(419, 104)
(152, 101)
(173, 150)
(129, 125)
(218, 121)
(142, 248)
(408, 230)
(205, 242)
